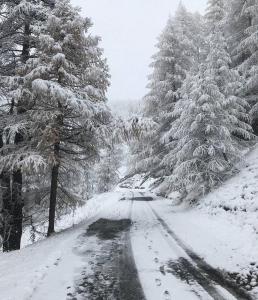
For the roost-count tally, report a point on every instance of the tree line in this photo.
(202, 99)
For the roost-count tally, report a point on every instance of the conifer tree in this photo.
(213, 117)
(18, 21)
(206, 150)
(66, 83)
(177, 53)
(228, 79)
(107, 175)
(163, 85)
(230, 84)
(243, 29)
(215, 13)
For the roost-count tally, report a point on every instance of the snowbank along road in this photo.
(168, 269)
(136, 255)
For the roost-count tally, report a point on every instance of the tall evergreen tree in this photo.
(190, 31)
(107, 175)
(206, 150)
(243, 30)
(177, 52)
(230, 83)
(66, 83)
(17, 41)
(228, 79)
(55, 110)
(215, 13)
(213, 117)
(163, 84)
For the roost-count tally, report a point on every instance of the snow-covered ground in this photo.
(223, 229)
(85, 212)
(45, 269)
(171, 245)
(222, 243)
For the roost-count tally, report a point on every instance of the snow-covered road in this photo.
(127, 251)
(170, 270)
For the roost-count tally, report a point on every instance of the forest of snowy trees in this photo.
(60, 143)
(54, 118)
(202, 97)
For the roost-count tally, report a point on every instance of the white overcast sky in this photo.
(129, 29)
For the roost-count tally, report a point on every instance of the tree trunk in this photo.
(53, 194)
(12, 181)
(26, 43)
(225, 157)
(6, 210)
(12, 211)
(13, 203)
(54, 175)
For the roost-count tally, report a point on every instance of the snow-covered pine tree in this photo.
(107, 175)
(236, 24)
(17, 41)
(191, 34)
(148, 150)
(213, 117)
(219, 62)
(215, 13)
(198, 35)
(177, 52)
(66, 83)
(243, 25)
(190, 31)
(230, 84)
(206, 150)
(241, 17)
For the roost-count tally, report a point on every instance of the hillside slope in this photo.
(223, 228)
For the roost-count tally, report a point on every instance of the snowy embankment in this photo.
(23, 271)
(89, 209)
(223, 228)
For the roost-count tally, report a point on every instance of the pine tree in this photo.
(243, 25)
(215, 13)
(177, 54)
(66, 84)
(236, 25)
(206, 149)
(18, 19)
(190, 30)
(219, 62)
(107, 175)
(213, 117)
(230, 84)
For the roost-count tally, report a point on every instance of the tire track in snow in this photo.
(113, 271)
(129, 284)
(204, 274)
